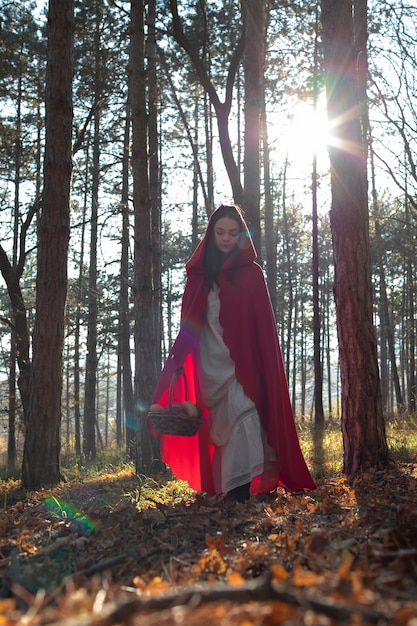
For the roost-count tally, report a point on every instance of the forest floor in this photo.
(116, 548)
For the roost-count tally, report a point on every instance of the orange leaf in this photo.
(213, 563)
(346, 564)
(279, 614)
(216, 543)
(279, 572)
(7, 604)
(235, 579)
(299, 526)
(157, 584)
(304, 577)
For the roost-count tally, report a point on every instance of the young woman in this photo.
(229, 350)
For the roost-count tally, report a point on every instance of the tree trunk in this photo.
(270, 230)
(303, 367)
(124, 320)
(11, 444)
(90, 412)
(77, 330)
(208, 132)
(410, 332)
(41, 463)
(254, 20)
(89, 443)
(327, 299)
(318, 367)
(289, 271)
(345, 58)
(11, 434)
(154, 190)
(145, 361)
(195, 236)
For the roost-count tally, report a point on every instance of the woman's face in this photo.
(226, 234)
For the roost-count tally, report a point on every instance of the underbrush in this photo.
(108, 461)
(402, 437)
(322, 448)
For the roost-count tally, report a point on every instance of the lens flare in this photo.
(69, 512)
(142, 406)
(132, 421)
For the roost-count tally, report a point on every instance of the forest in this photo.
(122, 126)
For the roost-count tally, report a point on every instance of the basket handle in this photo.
(178, 372)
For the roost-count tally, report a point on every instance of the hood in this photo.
(246, 248)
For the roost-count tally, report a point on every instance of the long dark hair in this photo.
(213, 257)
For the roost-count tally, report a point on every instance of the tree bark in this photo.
(41, 463)
(145, 355)
(318, 367)
(124, 319)
(89, 442)
(291, 316)
(154, 188)
(254, 20)
(77, 331)
(411, 318)
(90, 411)
(345, 59)
(270, 229)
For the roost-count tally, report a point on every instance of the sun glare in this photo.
(302, 134)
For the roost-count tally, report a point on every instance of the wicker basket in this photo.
(174, 419)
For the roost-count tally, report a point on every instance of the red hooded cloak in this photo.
(250, 333)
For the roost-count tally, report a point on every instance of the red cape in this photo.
(250, 333)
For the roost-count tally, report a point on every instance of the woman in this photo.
(229, 349)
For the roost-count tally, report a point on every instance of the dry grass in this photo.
(323, 451)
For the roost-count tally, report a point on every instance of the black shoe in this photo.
(240, 494)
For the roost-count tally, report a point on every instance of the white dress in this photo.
(235, 428)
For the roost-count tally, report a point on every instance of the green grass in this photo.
(159, 491)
